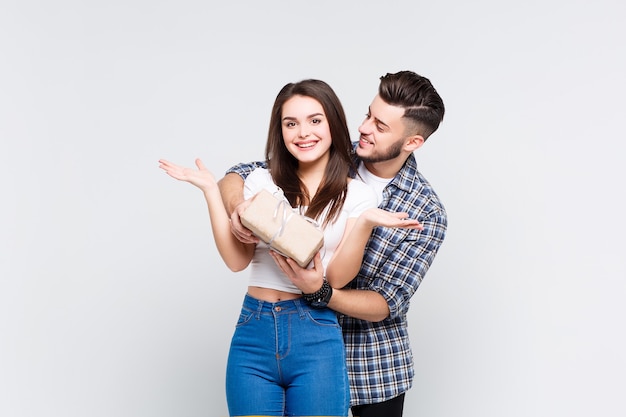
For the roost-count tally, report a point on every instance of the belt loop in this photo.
(302, 308)
(259, 309)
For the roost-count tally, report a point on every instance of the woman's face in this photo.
(306, 132)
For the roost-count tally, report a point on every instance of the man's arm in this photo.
(361, 304)
(392, 287)
(346, 260)
(231, 189)
(231, 186)
(399, 277)
(401, 272)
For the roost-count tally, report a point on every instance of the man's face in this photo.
(382, 133)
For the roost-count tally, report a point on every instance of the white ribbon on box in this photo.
(289, 233)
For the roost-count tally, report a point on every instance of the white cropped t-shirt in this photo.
(264, 272)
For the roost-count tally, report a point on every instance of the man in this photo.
(374, 305)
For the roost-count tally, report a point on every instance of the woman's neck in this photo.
(312, 174)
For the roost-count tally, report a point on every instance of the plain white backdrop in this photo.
(113, 299)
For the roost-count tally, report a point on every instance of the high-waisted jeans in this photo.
(286, 359)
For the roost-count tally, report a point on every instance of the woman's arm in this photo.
(346, 261)
(361, 304)
(236, 255)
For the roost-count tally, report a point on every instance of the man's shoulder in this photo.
(429, 194)
(243, 169)
(417, 191)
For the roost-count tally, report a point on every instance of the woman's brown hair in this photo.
(284, 167)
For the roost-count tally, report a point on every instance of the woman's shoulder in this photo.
(356, 186)
(260, 174)
(258, 179)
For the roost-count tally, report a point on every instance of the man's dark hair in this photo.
(423, 106)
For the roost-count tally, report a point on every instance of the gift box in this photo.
(274, 221)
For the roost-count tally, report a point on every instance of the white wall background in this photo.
(113, 299)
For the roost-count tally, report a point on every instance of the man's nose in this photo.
(366, 127)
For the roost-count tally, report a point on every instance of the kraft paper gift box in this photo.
(274, 221)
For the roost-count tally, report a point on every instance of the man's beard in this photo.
(390, 153)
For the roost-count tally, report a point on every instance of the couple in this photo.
(303, 332)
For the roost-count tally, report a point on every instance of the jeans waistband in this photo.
(287, 306)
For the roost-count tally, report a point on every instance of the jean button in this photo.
(278, 308)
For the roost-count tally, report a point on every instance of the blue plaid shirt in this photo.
(379, 357)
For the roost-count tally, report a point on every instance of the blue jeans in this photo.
(286, 359)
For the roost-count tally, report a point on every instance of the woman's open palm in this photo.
(379, 217)
(201, 177)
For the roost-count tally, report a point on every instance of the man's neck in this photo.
(386, 169)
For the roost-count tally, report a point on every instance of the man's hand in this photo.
(307, 280)
(243, 234)
(231, 188)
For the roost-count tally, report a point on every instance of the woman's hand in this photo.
(201, 177)
(373, 217)
(307, 280)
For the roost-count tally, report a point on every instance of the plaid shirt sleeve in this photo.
(244, 169)
(397, 259)
(404, 257)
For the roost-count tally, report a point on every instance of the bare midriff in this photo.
(271, 295)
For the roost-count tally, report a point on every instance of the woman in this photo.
(287, 357)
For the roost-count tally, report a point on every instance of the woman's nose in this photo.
(304, 131)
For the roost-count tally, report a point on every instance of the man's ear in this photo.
(414, 142)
